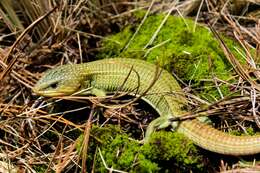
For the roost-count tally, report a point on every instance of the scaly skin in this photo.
(110, 74)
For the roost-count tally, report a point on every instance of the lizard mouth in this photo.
(55, 91)
(48, 93)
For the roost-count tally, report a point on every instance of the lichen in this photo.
(192, 55)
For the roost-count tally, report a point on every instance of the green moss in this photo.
(250, 131)
(191, 55)
(174, 149)
(41, 169)
(116, 149)
(166, 151)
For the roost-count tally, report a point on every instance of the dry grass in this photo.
(43, 37)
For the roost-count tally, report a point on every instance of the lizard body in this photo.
(135, 76)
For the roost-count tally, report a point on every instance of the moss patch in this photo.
(191, 55)
(165, 152)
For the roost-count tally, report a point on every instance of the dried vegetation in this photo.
(37, 35)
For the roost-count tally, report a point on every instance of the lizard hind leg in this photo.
(157, 124)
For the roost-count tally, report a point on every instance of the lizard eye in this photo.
(54, 85)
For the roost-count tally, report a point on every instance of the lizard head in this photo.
(61, 81)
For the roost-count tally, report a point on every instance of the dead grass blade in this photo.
(18, 40)
(241, 71)
(10, 17)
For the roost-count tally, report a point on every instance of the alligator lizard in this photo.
(135, 76)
